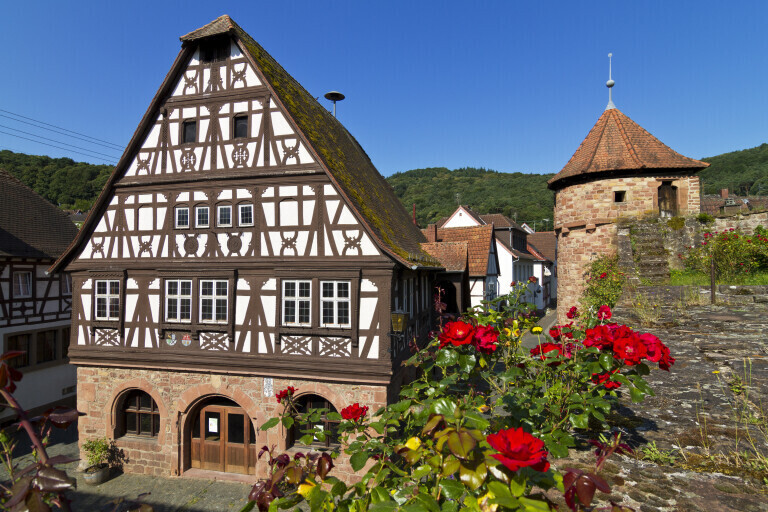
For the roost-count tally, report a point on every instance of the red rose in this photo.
(354, 412)
(601, 336)
(604, 313)
(630, 349)
(666, 360)
(532, 279)
(485, 339)
(456, 333)
(282, 395)
(603, 275)
(545, 348)
(572, 313)
(604, 379)
(518, 449)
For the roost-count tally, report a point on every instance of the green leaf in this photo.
(378, 426)
(642, 369)
(248, 506)
(444, 406)
(473, 476)
(467, 362)
(421, 471)
(287, 422)
(451, 489)
(516, 486)
(450, 506)
(428, 501)
(383, 506)
(476, 420)
(450, 466)
(401, 406)
(446, 357)
(531, 505)
(333, 416)
(339, 488)
(461, 444)
(271, 422)
(636, 394)
(502, 496)
(579, 420)
(358, 460)
(606, 361)
(379, 495)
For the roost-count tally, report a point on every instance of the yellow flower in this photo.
(305, 488)
(483, 408)
(482, 502)
(516, 333)
(536, 330)
(508, 331)
(716, 371)
(413, 443)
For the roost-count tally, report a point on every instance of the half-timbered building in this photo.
(34, 305)
(244, 243)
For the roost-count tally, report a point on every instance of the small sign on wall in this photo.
(213, 425)
(268, 386)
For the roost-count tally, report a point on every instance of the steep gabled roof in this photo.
(616, 143)
(545, 242)
(451, 255)
(30, 226)
(478, 239)
(344, 160)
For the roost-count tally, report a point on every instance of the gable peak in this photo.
(221, 25)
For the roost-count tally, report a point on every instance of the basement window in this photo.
(619, 196)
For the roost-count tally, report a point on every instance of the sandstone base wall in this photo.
(178, 393)
(576, 249)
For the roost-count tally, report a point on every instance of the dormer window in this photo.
(214, 50)
(188, 132)
(241, 127)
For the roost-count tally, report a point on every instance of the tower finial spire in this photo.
(610, 83)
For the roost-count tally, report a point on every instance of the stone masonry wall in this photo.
(575, 250)
(177, 393)
(593, 202)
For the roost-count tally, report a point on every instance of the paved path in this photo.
(165, 494)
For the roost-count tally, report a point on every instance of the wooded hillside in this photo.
(742, 172)
(437, 191)
(62, 181)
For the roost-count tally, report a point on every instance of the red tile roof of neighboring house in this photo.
(545, 243)
(478, 239)
(452, 255)
(30, 226)
(616, 143)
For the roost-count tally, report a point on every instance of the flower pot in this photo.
(95, 475)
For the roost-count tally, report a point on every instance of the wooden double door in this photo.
(222, 439)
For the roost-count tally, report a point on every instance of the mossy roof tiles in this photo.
(30, 226)
(478, 239)
(615, 144)
(451, 255)
(347, 163)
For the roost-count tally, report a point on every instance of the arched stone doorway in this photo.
(220, 437)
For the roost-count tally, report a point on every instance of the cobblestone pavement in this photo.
(165, 494)
(721, 369)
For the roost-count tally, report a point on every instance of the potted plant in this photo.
(102, 455)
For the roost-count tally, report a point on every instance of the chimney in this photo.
(724, 193)
(432, 233)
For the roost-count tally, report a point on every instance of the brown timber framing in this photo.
(32, 310)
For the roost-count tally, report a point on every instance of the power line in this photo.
(56, 141)
(59, 132)
(117, 146)
(52, 145)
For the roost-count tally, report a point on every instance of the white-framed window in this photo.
(202, 219)
(246, 214)
(22, 285)
(182, 217)
(297, 297)
(178, 300)
(66, 284)
(334, 303)
(213, 300)
(224, 216)
(107, 299)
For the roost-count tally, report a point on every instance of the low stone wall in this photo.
(746, 223)
(178, 393)
(673, 295)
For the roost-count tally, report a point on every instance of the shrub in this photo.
(705, 218)
(605, 282)
(735, 255)
(478, 425)
(676, 223)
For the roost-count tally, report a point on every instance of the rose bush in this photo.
(736, 255)
(480, 423)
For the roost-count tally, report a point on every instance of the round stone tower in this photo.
(619, 170)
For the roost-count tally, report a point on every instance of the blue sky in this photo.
(506, 85)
